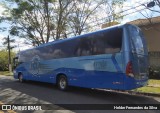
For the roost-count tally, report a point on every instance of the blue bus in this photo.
(112, 58)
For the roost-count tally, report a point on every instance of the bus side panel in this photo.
(99, 79)
(41, 72)
(99, 71)
(131, 83)
(20, 69)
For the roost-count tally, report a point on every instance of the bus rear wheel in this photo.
(20, 78)
(62, 83)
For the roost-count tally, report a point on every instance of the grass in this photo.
(7, 73)
(152, 87)
(153, 82)
(149, 90)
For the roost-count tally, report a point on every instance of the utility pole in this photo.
(9, 55)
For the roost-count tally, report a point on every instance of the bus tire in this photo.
(62, 82)
(20, 78)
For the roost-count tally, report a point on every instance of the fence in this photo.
(154, 61)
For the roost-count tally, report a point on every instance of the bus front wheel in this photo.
(20, 78)
(62, 83)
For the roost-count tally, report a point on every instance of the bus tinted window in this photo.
(104, 42)
(101, 43)
(84, 47)
(107, 42)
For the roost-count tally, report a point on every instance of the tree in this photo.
(40, 21)
(7, 42)
(63, 10)
(82, 12)
(149, 15)
(104, 12)
(31, 19)
(4, 59)
(1, 20)
(113, 6)
(113, 16)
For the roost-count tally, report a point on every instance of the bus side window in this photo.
(113, 41)
(58, 53)
(107, 42)
(83, 48)
(98, 47)
(98, 44)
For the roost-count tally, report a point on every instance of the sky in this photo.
(133, 3)
(127, 5)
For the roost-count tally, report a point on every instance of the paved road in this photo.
(13, 92)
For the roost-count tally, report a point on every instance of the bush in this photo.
(4, 59)
(154, 72)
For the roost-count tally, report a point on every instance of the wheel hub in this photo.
(62, 83)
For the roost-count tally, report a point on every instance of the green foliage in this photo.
(4, 59)
(42, 20)
(14, 31)
(6, 42)
(115, 4)
(155, 90)
(6, 73)
(152, 87)
(154, 72)
(118, 2)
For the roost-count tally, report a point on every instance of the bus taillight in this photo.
(129, 70)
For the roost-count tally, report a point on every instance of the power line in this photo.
(142, 4)
(122, 12)
(100, 23)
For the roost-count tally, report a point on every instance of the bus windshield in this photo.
(15, 62)
(137, 40)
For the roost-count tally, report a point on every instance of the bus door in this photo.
(139, 54)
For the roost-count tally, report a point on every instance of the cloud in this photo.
(1, 10)
(125, 20)
(20, 45)
(132, 3)
(1, 36)
(1, 41)
(131, 6)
